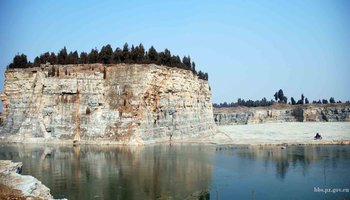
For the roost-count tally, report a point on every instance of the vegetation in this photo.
(279, 97)
(248, 103)
(133, 55)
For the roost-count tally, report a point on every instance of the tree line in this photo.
(133, 55)
(247, 103)
(279, 97)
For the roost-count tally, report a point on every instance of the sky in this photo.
(250, 49)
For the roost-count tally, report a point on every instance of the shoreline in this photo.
(14, 185)
(267, 134)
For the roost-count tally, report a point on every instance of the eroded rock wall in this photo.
(287, 113)
(118, 103)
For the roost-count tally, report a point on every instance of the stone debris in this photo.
(30, 187)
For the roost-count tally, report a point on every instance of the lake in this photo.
(187, 171)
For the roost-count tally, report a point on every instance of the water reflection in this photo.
(271, 172)
(91, 172)
(293, 156)
(179, 171)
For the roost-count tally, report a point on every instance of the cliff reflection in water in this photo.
(177, 172)
(292, 156)
(86, 172)
(269, 172)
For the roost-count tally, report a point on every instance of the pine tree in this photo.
(276, 96)
(193, 68)
(117, 56)
(44, 58)
(105, 55)
(53, 58)
(62, 56)
(93, 56)
(19, 61)
(152, 55)
(125, 54)
(292, 101)
(302, 98)
(306, 101)
(83, 58)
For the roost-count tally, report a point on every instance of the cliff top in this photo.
(57, 70)
(133, 55)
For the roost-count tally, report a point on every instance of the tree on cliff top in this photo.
(117, 55)
(136, 54)
(93, 56)
(152, 55)
(19, 61)
(73, 58)
(280, 96)
(83, 58)
(105, 55)
(125, 54)
(62, 56)
(306, 101)
(292, 101)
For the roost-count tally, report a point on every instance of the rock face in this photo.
(116, 103)
(27, 185)
(283, 113)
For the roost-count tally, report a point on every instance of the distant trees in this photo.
(133, 55)
(292, 101)
(301, 100)
(279, 96)
(246, 103)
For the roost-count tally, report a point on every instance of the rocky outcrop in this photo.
(26, 186)
(283, 113)
(99, 103)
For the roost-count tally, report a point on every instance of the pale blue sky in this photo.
(249, 48)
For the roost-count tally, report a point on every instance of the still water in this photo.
(184, 171)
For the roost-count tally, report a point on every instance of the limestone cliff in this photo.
(283, 113)
(114, 103)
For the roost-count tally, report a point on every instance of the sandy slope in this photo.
(280, 133)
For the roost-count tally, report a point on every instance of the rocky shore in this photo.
(13, 185)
